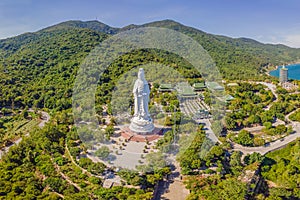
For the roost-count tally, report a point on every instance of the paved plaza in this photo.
(129, 157)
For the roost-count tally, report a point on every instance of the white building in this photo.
(283, 75)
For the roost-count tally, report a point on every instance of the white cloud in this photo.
(292, 40)
(14, 30)
(288, 39)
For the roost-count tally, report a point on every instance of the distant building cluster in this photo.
(289, 86)
(192, 99)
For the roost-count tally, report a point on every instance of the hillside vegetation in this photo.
(38, 69)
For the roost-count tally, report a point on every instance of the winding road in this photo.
(278, 144)
(44, 119)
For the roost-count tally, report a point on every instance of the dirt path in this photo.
(65, 176)
(84, 171)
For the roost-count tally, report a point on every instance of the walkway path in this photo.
(191, 106)
(271, 87)
(73, 161)
(57, 168)
(116, 178)
(172, 187)
(45, 118)
(208, 131)
(287, 117)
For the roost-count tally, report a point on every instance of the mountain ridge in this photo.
(93, 25)
(105, 28)
(205, 39)
(237, 58)
(38, 71)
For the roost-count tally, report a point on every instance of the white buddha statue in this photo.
(141, 121)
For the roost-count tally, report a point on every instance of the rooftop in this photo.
(199, 85)
(166, 86)
(232, 84)
(214, 86)
(184, 89)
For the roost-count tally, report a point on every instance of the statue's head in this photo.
(141, 74)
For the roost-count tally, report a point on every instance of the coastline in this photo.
(287, 65)
(268, 72)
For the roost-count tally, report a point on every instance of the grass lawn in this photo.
(13, 129)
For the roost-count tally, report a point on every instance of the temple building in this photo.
(199, 86)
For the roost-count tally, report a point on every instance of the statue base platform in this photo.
(130, 135)
(141, 126)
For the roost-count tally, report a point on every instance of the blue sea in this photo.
(293, 73)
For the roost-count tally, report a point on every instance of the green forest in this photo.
(38, 70)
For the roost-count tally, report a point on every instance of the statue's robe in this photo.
(141, 93)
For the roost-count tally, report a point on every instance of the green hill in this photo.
(236, 58)
(38, 69)
(92, 25)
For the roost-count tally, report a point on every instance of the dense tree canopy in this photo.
(37, 70)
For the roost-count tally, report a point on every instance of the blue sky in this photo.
(268, 21)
